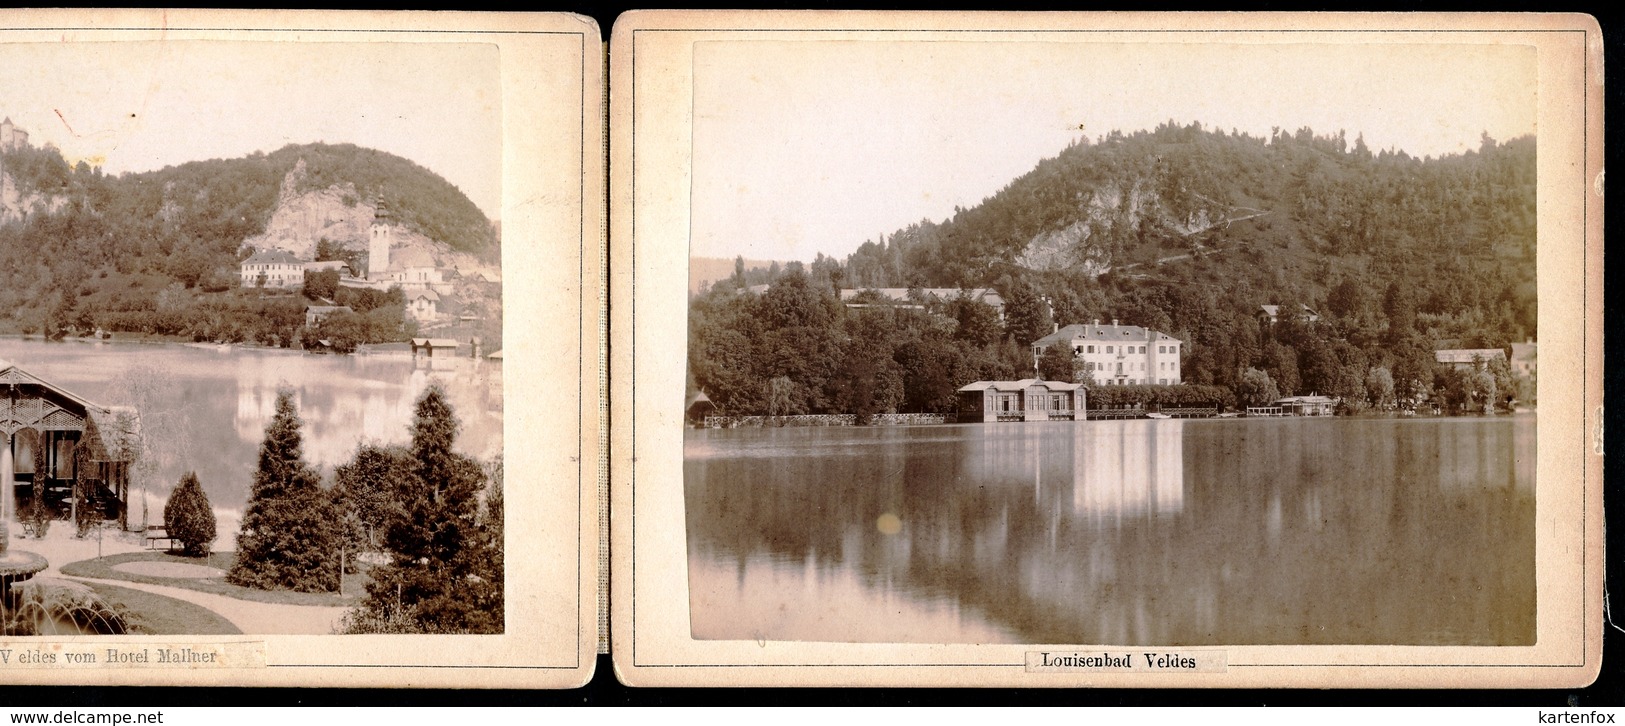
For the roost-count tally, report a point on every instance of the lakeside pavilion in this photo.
(62, 440)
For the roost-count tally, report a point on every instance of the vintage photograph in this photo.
(253, 337)
(1146, 344)
(258, 286)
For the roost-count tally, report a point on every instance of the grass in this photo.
(149, 614)
(104, 569)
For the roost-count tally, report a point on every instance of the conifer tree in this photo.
(188, 518)
(440, 576)
(287, 535)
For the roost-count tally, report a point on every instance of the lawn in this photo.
(149, 614)
(105, 569)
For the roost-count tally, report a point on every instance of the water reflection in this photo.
(221, 401)
(1132, 532)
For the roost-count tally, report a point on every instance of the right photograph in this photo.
(1172, 344)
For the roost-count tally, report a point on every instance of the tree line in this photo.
(1393, 256)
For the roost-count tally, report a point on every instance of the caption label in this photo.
(1127, 661)
(104, 654)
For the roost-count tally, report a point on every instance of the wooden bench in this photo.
(156, 533)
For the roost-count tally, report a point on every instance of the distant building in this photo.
(314, 314)
(409, 268)
(1311, 405)
(12, 137)
(341, 266)
(423, 305)
(272, 268)
(1269, 314)
(434, 347)
(1118, 355)
(899, 296)
(1523, 358)
(1029, 399)
(1475, 358)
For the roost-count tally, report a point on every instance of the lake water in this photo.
(210, 406)
(1238, 531)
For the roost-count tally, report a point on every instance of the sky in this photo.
(803, 147)
(139, 106)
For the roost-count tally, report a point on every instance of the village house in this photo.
(272, 268)
(423, 305)
(1270, 314)
(1465, 358)
(1523, 358)
(1117, 355)
(1029, 399)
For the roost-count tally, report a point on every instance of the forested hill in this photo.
(1187, 230)
(73, 237)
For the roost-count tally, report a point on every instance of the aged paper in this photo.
(745, 144)
(507, 108)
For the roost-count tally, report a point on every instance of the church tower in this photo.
(378, 246)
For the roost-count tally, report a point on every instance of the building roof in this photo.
(495, 356)
(434, 343)
(1021, 385)
(425, 292)
(1468, 355)
(1104, 333)
(325, 309)
(408, 257)
(1305, 399)
(272, 256)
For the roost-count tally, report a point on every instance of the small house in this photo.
(1310, 405)
(434, 347)
(1029, 399)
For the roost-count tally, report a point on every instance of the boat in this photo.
(1157, 415)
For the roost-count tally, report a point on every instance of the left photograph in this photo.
(252, 337)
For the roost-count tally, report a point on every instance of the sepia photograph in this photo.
(1130, 341)
(253, 332)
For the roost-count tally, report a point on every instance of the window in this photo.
(1091, 349)
(1142, 349)
(1162, 381)
(1108, 349)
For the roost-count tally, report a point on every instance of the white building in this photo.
(1117, 355)
(272, 268)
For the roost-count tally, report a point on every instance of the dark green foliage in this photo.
(288, 535)
(368, 491)
(188, 518)
(322, 285)
(1056, 363)
(1181, 396)
(439, 578)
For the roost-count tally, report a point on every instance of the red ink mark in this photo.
(64, 121)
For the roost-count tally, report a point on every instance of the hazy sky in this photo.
(138, 106)
(817, 146)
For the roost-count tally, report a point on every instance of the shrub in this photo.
(188, 518)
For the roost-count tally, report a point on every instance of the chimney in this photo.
(1097, 322)
(1114, 322)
